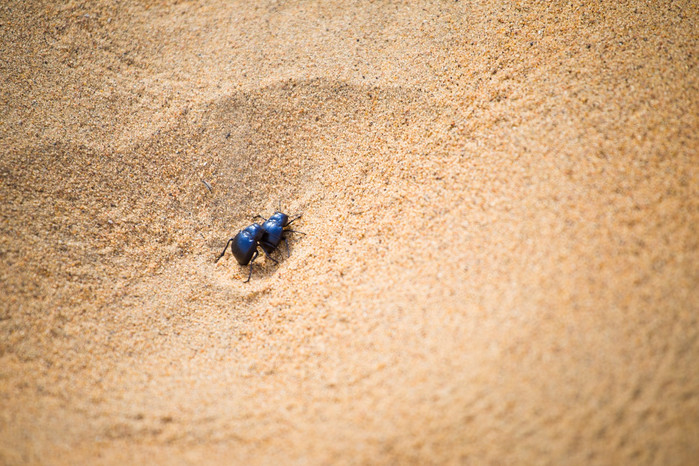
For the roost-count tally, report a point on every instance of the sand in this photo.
(500, 203)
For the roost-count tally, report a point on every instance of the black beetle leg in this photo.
(224, 249)
(260, 216)
(293, 219)
(266, 244)
(254, 256)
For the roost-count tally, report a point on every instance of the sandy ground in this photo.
(500, 202)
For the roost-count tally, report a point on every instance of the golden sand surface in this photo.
(500, 202)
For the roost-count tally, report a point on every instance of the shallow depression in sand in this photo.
(308, 147)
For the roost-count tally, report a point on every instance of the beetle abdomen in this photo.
(245, 243)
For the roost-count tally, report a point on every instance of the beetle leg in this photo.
(271, 247)
(293, 219)
(260, 216)
(254, 256)
(230, 241)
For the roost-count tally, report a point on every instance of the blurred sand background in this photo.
(500, 205)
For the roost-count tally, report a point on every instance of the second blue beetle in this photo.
(275, 232)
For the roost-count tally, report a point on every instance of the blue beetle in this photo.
(244, 246)
(275, 232)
